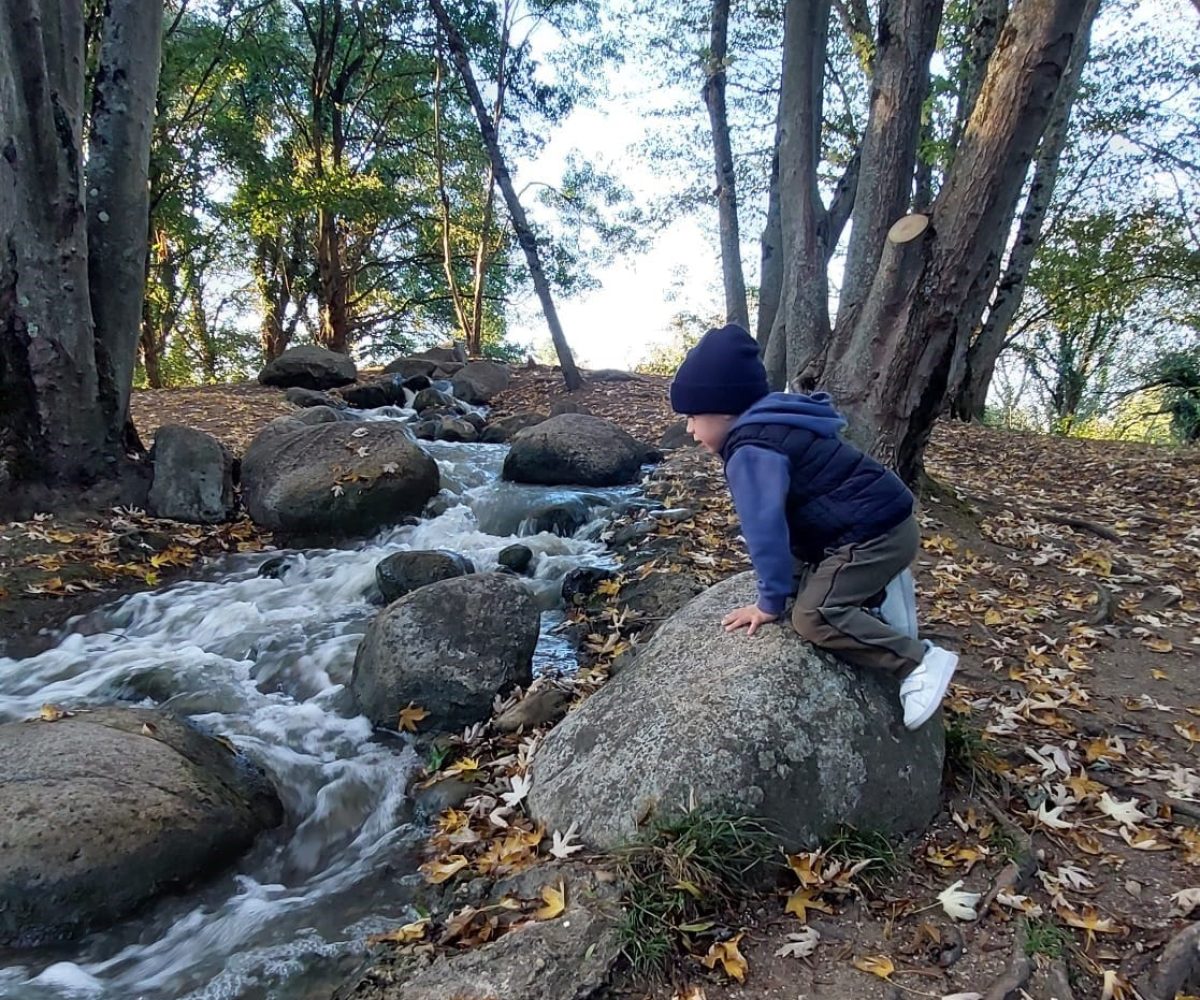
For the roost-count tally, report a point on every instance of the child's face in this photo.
(709, 429)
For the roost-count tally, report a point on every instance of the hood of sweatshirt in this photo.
(814, 413)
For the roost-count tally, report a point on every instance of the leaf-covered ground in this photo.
(1068, 575)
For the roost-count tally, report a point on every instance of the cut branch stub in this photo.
(908, 228)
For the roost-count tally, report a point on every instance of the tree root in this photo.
(1016, 874)
(1082, 524)
(1177, 968)
(1105, 603)
(1012, 982)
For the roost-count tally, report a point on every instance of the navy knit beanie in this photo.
(721, 374)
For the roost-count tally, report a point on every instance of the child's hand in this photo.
(750, 615)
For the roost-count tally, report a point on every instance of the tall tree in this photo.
(916, 287)
(72, 262)
(524, 234)
(736, 310)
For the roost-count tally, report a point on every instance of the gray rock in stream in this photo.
(574, 448)
(109, 808)
(193, 476)
(450, 648)
(766, 726)
(334, 480)
(310, 367)
(403, 572)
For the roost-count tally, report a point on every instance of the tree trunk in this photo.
(713, 93)
(52, 428)
(975, 376)
(988, 17)
(770, 272)
(801, 324)
(907, 34)
(334, 312)
(929, 287)
(118, 204)
(521, 227)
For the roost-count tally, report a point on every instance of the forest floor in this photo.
(1067, 573)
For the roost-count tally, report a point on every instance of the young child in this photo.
(805, 496)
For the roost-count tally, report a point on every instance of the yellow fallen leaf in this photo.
(409, 932)
(993, 617)
(410, 715)
(438, 872)
(803, 900)
(877, 965)
(1159, 675)
(731, 959)
(1187, 730)
(52, 713)
(1090, 922)
(1159, 645)
(1116, 987)
(555, 900)
(802, 866)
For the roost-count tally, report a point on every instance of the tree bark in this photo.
(801, 325)
(118, 203)
(51, 425)
(975, 375)
(906, 38)
(929, 288)
(521, 226)
(736, 310)
(988, 21)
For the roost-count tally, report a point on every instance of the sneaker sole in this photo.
(935, 704)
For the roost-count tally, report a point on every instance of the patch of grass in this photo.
(682, 876)
(1044, 937)
(968, 755)
(852, 846)
(437, 757)
(1003, 843)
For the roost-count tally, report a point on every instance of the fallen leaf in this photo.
(803, 900)
(958, 903)
(555, 900)
(877, 965)
(1159, 645)
(731, 959)
(409, 932)
(1090, 922)
(561, 847)
(438, 872)
(1185, 901)
(1117, 987)
(800, 945)
(520, 785)
(337, 490)
(1126, 813)
(52, 713)
(410, 715)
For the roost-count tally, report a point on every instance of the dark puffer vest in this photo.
(838, 494)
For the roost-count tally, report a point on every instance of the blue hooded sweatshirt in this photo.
(801, 491)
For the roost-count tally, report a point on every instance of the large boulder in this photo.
(481, 381)
(299, 396)
(106, 809)
(763, 725)
(450, 647)
(310, 367)
(574, 448)
(372, 395)
(403, 572)
(334, 480)
(411, 367)
(456, 352)
(193, 476)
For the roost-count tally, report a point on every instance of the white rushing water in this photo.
(266, 662)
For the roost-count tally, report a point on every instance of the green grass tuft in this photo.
(682, 876)
(1044, 937)
(852, 846)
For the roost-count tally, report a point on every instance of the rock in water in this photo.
(515, 557)
(309, 367)
(193, 476)
(502, 429)
(574, 448)
(107, 809)
(299, 396)
(403, 572)
(480, 381)
(411, 367)
(450, 648)
(334, 480)
(766, 726)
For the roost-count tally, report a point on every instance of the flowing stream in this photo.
(265, 661)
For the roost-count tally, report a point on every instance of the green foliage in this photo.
(853, 846)
(1175, 377)
(1046, 938)
(681, 876)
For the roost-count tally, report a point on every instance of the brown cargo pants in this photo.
(830, 610)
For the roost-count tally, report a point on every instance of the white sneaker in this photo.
(922, 691)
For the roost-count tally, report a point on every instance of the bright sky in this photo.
(614, 325)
